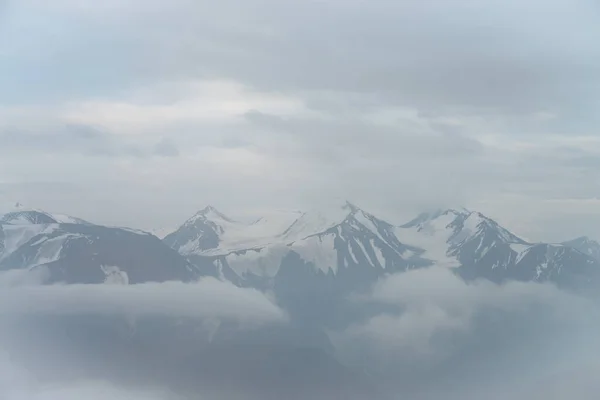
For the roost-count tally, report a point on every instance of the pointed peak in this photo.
(210, 212)
(582, 240)
(585, 239)
(351, 207)
(208, 209)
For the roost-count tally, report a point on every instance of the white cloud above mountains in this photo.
(398, 107)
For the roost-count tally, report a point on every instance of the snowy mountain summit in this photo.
(344, 243)
(21, 215)
(60, 248)
(328, 239)
(347, 238)
(585, 245)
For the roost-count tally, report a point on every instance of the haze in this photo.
(299, 199)
(138, 113)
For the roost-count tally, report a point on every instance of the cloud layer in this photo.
(440, 336)
(398, 107)
(209, 298)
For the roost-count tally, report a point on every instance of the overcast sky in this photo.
(140, 112)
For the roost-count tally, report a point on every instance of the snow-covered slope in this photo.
(21, 215)
(161, 233)
(452, 237)
(480, 248)
(74, 251)
(585, 245)
(211, 232)
(350, 239)
(347, 239)
(331, 239)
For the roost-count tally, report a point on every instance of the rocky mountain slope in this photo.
(585, 245)
(70, 250)
(352, 244)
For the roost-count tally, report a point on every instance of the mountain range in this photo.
(311, 262)
(71, 250)
(342, 241)
(345, 244)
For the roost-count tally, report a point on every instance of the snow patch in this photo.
(17, 235)
(431, 237)
(51, 249)
(318, 250)
(114, 275)
(378, 254)
(235, 236)
(351, 251)
(314, 222)
(364, 250)
(262, 262)
(132, 230)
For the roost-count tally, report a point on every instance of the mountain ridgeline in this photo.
(353, 246)
(312, 262)
(70, 250)
(340, 250)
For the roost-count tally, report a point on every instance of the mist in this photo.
(443, 338)
(430, 335)
(17, 384)
(125, 120)
(76, 341)
(207, 298)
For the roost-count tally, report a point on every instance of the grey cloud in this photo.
(434, 300)
(429, 55)
(585, 160)
(439, 337)
(16, 384)
(80, 139)
(363, 158)
(69, 138)
(206, 299)
(166, 148)
(502, 69)
(411, 53)
(349, 137)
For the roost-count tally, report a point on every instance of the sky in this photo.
(141, 112)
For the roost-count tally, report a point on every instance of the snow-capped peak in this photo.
(585, 245)
(209, 232)
(444, 233)
(210, 213)
(352, 208)
(584, 240)
(318, 221)
(460, 222)
(21, 215)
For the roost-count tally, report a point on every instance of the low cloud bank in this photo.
(17, 384)
(47, 355)
(208, 298)
(436, 336)
(434, 300)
